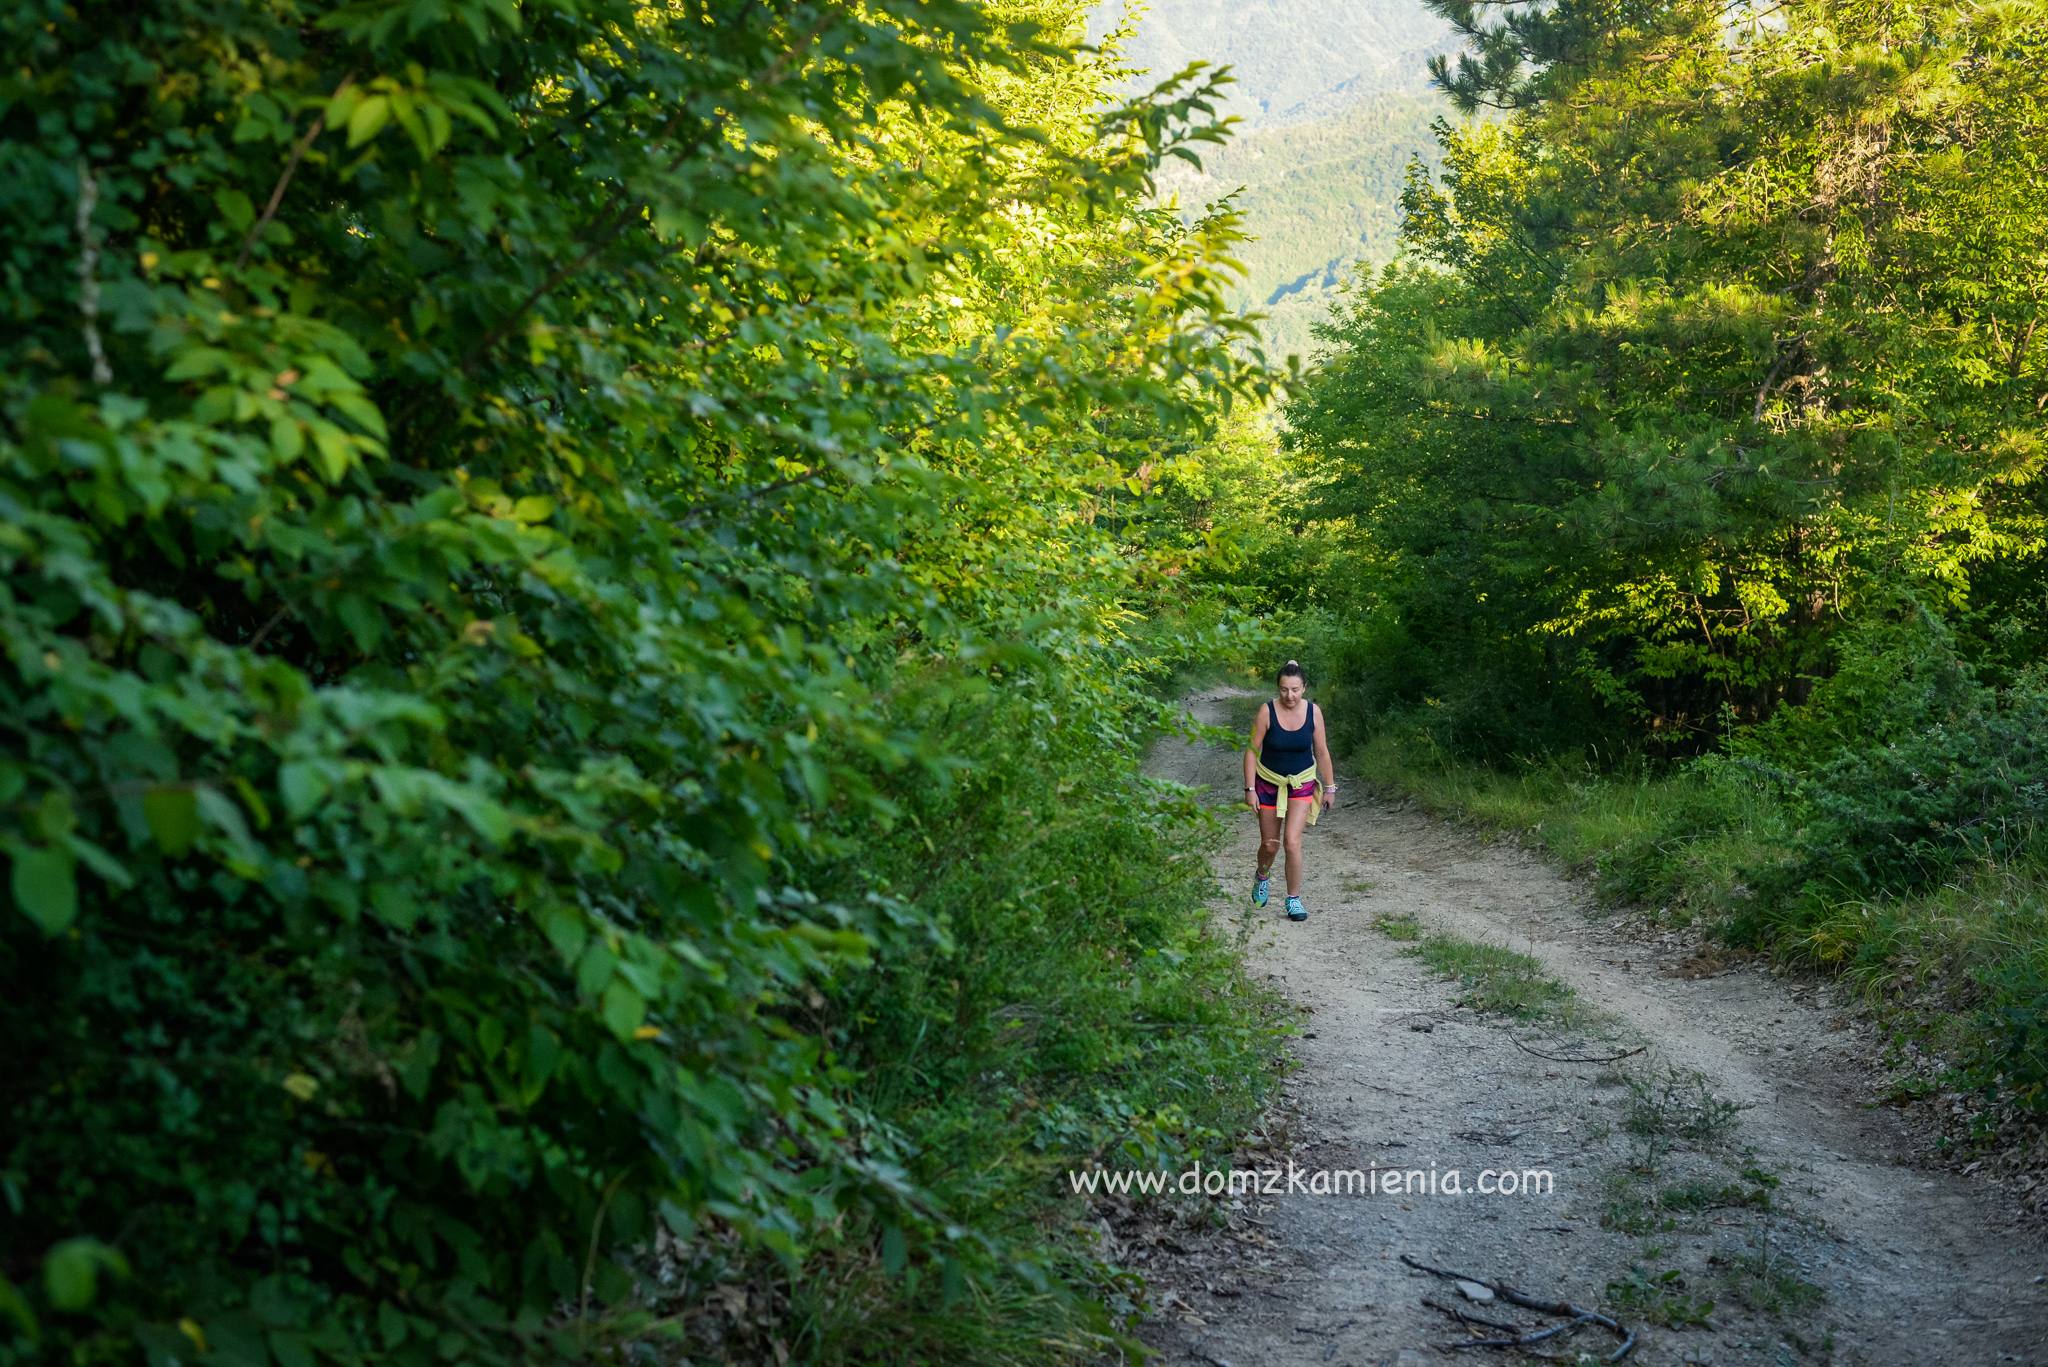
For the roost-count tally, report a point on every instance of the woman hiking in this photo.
(1288, 750)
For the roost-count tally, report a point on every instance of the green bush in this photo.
(504, 511)
(1891, 673)
(2012, 1063)
(1899, 816)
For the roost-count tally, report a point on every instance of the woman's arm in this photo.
(1323, 761)
(1251, 756)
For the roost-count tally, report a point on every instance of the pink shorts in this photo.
(1269, 793)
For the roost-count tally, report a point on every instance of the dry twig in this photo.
(284, 179)
(1464, 1317)
(1574, 1058)
(1576, 1316)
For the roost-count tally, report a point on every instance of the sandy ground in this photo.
(1861, 1256)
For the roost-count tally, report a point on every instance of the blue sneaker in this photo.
(1295, 910)
(1262, 891)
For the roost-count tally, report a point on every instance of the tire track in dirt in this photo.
(1913, 1266)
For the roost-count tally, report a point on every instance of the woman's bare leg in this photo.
(1297, 821)
(1269, 841)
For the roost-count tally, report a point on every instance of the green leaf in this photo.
(45, 881)
(597, 967)
(103, 865)
(287, 437)
(565, 930)
(543, 1051)
(193, 362)
(624, 1009)
(236, 207)
(55, 816)
(71, 1272)
(395, 906)
(331, 445)
(360, 616)
(417, 1062)
(486, 817)
(367, 119)
(220, 812)
(364, 413)
(173, 817)
(304, 783)
(341, 104)
(253, 800)
(15, 1306)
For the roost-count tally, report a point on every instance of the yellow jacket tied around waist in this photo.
(1286, 781)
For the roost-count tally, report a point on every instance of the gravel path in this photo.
(1800, 1217)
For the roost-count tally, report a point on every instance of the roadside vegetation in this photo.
(1953, 958)
(1678, 496)
(576, 659)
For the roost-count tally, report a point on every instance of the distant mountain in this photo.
(1293, 59)
(1317, 197)
(1334, 98)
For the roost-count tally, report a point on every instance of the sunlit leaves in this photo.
(1725, 341)
(567, 477)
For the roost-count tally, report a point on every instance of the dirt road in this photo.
(1730, 1192)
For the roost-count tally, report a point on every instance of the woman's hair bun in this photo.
(1295, 663)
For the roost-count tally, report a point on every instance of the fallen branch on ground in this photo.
(1575, 1316)
(1574, 1058)
(1524, 1340)
(1463, 1318)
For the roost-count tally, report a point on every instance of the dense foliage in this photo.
(1729, 335)
(1702, 420)
(567, 661)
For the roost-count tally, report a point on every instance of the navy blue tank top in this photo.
(1288, 752)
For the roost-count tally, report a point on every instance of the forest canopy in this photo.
(1726, 342)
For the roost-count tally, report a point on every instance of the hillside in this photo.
(1334, 100)
(1317, 196)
